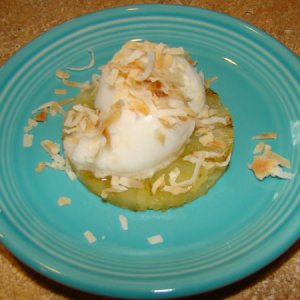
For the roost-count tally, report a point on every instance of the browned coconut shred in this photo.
(88, 66)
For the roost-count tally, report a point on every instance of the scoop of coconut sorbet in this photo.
(148, 100)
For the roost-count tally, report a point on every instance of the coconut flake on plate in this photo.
(27, 140)
(155, 239)
(268, 135)
(62, 201)
(88, 66)
(123, 222)
(90, 237)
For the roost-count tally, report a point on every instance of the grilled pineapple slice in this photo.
(202, 162)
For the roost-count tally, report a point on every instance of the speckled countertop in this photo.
(22, 20)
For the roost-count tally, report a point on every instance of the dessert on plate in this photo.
(148, 133)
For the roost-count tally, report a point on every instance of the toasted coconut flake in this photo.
(191, 61)
(51, 147)
(27, 140)
(65, 101)
(82, 108)
(90, 237)
(61, 74)
(137, 105)
(70, 130)
(209, 81)
(40, 167)
(60, 91)
(160, 136)
(155, 239)
(113, 115)
(149, 67)
(191, 180)
(56, 107)
(223, 163)
(32, 122)
(62, 201)
(88, 66)
(41, 116)
(167, 122)
(262, 166)
(74, 118)
(269, 135)
(201, 157)
(280, 159)
(59, 159)
(268, 147)
(112, 77)
(58, 162)
(173, 175)
(158, 183)
(123, 222)
(71, 83)
(278, 172)
(43, 106)
(259, 148)
(54, 165)
(69, 171)
(133, 56)
(159, 93)
(176, 190)
(114, 189)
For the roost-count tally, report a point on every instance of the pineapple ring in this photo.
(203, 161)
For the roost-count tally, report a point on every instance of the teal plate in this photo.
(240, 226)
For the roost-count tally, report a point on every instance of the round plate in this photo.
(241, 225)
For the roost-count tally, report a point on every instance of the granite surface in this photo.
(22, 20)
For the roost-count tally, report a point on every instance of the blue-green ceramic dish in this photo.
(240, 226)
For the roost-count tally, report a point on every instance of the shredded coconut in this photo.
(27, 140)
(155, 239)
(62, 201)
(90, 237)
(269, 163)
(213, 120)
(259, 148)
(40, 167)
(159, 182)
(61, 74)
(71, 83)
(90, 65)
(114, 189)
(51, 147)
(176, 190)
(123, 222)
(269, 135)
(69, 171)
(41, 116)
